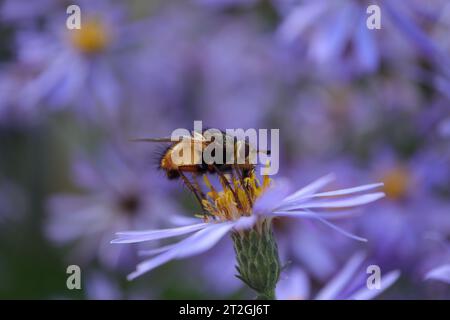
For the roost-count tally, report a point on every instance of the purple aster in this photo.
(341, 41)
(334, 36)
(25, 13)
(402, 232)
(264, 204)
(215, 270)
(346, 117)
(77, 68)
(116, 195)
(347, 284)
(310, 245)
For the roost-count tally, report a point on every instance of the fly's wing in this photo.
(246, 151)
(196, 138)
(243, 145)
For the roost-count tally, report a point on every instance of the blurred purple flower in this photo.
(341, 42)
(346, 284)
(305, 243)
(117, 196)
(216, 270)
(342, 46)
(227, 75)
(77, 68)
(12, 112)
(400, 230)
(100, 287)
(25, 13)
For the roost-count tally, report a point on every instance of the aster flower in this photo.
(214, 270)
(400, 235)
(115, 195)
(249, 221)
(342, 45)
(310, 245)
(77, 68)
(23, 12)
(347, 284)
(329, 42)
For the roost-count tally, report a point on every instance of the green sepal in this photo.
(258, 264)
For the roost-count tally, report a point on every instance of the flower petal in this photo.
(271, 198)
(140, 236)
(338, 283)
(348, 191)
(245, 222)
(179, 220)
(310, 214)
(441, 273)
(152, 263)
(386, 282)
(197, 243)
(151, 252)
(299, 19)
(341, 203)
(306, 214)
(310, 188)
(295, 286)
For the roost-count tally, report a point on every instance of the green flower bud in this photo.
(257, 258)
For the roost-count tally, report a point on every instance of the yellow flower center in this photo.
(396, 182)
(236, 198)
(91, 38)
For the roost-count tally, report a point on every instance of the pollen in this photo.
(236, 198)
(93, 37)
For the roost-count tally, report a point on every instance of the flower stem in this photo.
(266, 296)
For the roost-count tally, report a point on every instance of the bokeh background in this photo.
(368, 105)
